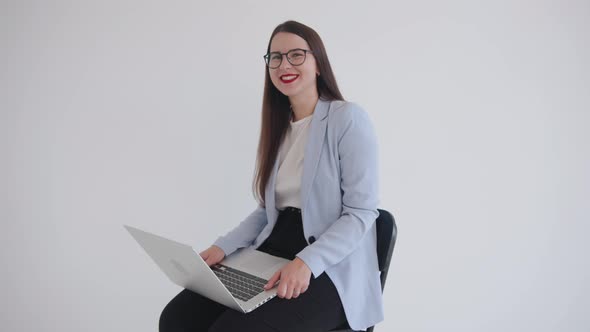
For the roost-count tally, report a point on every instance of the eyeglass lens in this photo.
(295, 57)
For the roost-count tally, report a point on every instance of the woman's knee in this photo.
(168, 319)
(189, 311)
(172, 316)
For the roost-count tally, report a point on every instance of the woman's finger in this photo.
(282, 289)
(289, 291)
(273, 280)
(303, 290)
(210, 261)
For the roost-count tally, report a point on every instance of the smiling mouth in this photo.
(289, 78)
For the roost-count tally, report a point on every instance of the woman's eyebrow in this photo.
(295, 48)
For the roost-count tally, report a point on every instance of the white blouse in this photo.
(291, 152)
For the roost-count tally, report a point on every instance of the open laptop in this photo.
(236, 282)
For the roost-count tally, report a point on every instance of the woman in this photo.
(316, 183)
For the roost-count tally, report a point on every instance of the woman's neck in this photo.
(303, 106)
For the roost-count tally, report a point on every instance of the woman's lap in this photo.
(318, 309)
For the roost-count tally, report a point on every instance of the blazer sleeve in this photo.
(357, 148)
(245, 233)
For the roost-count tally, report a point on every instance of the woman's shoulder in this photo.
(345, 113)
(345, 106)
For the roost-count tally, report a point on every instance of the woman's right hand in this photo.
(213, 255)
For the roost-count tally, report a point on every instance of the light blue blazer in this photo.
(339, 199)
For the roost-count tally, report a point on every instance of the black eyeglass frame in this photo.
(267, 57)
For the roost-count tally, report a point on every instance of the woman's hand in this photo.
(213, 255)
(294, 279)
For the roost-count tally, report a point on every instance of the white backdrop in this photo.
(147, 113)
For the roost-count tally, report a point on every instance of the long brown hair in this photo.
(276, 109)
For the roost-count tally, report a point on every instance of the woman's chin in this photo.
(288, 92)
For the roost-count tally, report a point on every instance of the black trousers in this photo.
(318, 309)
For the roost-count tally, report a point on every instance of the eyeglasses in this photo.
(296, 57)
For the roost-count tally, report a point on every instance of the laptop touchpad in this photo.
(256, 262)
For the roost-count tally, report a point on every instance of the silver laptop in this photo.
(236, 282)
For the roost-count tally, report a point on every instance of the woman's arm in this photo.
(358, 150)
(245, 233)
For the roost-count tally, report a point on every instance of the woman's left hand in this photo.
(294, 279)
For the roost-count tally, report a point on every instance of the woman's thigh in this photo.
(189, 311)
(318, 309)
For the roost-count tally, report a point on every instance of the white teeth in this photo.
(288, 77)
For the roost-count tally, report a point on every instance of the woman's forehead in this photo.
(285, 41)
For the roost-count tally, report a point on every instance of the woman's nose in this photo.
(285, 62)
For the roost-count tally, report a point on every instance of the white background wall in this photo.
(147, 113)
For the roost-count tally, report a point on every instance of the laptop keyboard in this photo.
(241, 285)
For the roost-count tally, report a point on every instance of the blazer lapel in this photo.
(313, 148)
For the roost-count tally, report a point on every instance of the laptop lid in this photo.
(185, 267)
